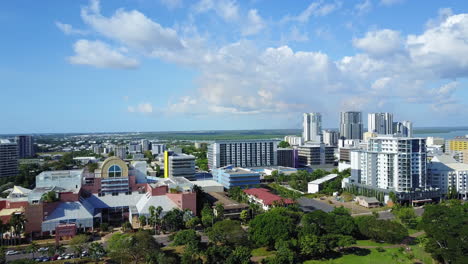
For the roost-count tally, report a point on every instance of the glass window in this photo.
(115, 171)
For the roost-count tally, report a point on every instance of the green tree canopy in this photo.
(268, 228)
(283, 144)
(228, 232)
(446, 227)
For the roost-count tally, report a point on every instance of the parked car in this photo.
(55, 257)
(42, 249)
(12, 252)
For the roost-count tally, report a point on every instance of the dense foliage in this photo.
(446, 227)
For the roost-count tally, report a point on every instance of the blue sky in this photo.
(167, 65)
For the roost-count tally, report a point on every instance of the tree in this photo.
(32, 248)
(406, 215)
(268, 228)
(184, 237)
(219, 211)
(96, 251)
(133, 247)
(126, 227)
(192, 223)
(92, 167)
(380, 230)
(111, 153)
(284, 253)
(244, 216)
(142, 220)
(149, 155)
(104, 227)
(155, 217)
(173, 220)
(240, 255)
(446, 227)
(50, 197)
(217, 254)
(207, 216)
(78, 243)
(284, 144)
(228, 232)
(17, 222)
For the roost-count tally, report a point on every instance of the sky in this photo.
(180, 65)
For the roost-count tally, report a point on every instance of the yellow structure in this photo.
(368, 135)
(458, 144)
(166, 164)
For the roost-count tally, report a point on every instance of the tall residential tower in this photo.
(351, 126)
(312, 126)
(380, 123)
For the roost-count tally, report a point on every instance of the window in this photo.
(115, 171)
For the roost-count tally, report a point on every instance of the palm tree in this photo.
(142, 220)
(32, 248)
(3, 228)
(18, 222)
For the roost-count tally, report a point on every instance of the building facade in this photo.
(389, 162)
(294, 140)
(316, 154)
(25, 146)
(351, 126)
(230, 176)
(330, 137)
(380, 123)
(8, 158)
(403, 129)
(312, 127)
(288, 157)
(445, 173)
(242, 153)
(120, 152)
(179, 165)
(457, 144)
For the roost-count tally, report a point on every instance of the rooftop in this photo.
(266, 196)
(69, 210)
(227, 202)
(324, 179)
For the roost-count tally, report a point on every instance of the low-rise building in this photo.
(232, 209)
(368, 202)
(266, 199)
(231, 176)
(316, 186)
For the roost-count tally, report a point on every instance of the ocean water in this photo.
(445, 135)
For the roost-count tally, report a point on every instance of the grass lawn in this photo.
(422, 255)
(262, 252)
(368, 256)
(371, 243)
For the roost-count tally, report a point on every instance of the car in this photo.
(12, 252)
(42, 249)
(55, 257)
(60, 257)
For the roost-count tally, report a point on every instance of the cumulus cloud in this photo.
(380, 43)
(241, 77)
(144, 108)
(100, 55)
(132, 28)
(254, 24)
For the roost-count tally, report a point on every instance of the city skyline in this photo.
(224, 65)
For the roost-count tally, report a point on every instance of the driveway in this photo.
(309, 205)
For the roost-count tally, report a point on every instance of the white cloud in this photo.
(132, 29)
(363, 7)
(172, 4)
(254, 24)
(294, 35)
(226, 9)
(144, 108)
(99, 54)
(68, 29)
(240, 78)
(314, 9)
(380, 43)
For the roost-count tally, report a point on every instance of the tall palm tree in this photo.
(3, 228)
(18, 222)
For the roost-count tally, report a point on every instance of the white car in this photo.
(43, 249)
(12, 252)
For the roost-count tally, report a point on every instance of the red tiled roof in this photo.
(266, 196)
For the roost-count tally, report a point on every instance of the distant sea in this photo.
(445, 134)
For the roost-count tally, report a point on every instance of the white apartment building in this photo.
(242, 153)
(294, 140)
(445, 172)
(403, 129)
(330, 137)
(380, 123)
(312, 127)
(390, 162)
